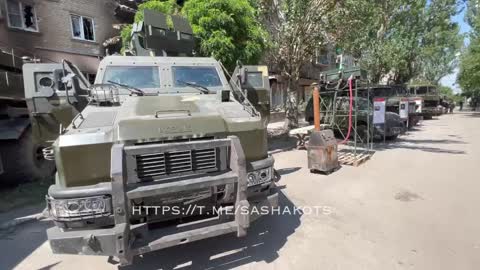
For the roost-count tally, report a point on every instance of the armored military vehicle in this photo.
(167, 151)
(21, 157)
(431, 101)
(448, 104)
(399, 101)
(335, 106)
(364, 116)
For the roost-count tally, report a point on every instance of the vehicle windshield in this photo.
(400, 91)
(382, 92)
(422, 90)
(138, 77)
(203, 76)
(255, 79)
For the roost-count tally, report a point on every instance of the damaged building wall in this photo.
(55, 29)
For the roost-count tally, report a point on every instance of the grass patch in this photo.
(24, 194)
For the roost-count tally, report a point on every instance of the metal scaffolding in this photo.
(337, 89)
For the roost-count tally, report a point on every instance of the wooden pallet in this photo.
(349, 158)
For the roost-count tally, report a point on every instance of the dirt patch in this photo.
(407, 196)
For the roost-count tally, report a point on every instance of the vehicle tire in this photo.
(23, 161)
(391, 138)
(427, 117)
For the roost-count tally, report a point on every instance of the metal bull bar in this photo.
(123, 191)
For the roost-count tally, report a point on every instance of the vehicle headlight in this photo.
(80, 208)
(259, 176)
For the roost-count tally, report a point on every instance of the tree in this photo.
(384, 35)
(166, 6)
(297, 28)
(228, 30)
(441, 41)
(469, 74)
(401, 40)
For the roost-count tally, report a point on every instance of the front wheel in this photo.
(23, 161)
(391, 138)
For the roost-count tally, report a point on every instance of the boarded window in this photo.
(21, 16)
(82, 27)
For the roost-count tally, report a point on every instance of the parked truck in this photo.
(167, 151)
(399, 101)
(21, 151)
(431, 101)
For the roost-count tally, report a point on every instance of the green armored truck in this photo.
(167, 151)
(399, 101)
(21, 157)
(431, 101)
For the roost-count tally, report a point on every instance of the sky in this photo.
(450, 79)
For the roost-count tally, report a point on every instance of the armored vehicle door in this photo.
(253, 80)
(55, 94)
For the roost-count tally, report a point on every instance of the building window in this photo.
(21, 16)
(82, 28)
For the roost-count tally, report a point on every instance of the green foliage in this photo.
(125, 35)
(446, 91)
(164, 6)
(227, 30)
(469, 75)
(441, 40)
(400, 39)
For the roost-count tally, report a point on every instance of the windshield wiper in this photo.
(202, 88)
(130, 88)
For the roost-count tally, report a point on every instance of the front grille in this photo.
(431, 103)
(158, 165)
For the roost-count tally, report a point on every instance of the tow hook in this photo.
(276, 176)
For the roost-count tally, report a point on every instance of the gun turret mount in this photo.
(160, 34)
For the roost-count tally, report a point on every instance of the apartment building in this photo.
(325, 59)
(52, 30)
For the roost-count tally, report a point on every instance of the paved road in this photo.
(414, 205)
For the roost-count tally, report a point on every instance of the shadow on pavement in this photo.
(475, 115)
(265, 238)
(281, 144)
(402, 140)
(48, 267)
(285, 171)
(414, 145)
(16, 245)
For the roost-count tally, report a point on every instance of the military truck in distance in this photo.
(21, 151)
(396, 96)
(167, 151)
(364, 117)
(431, 101)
